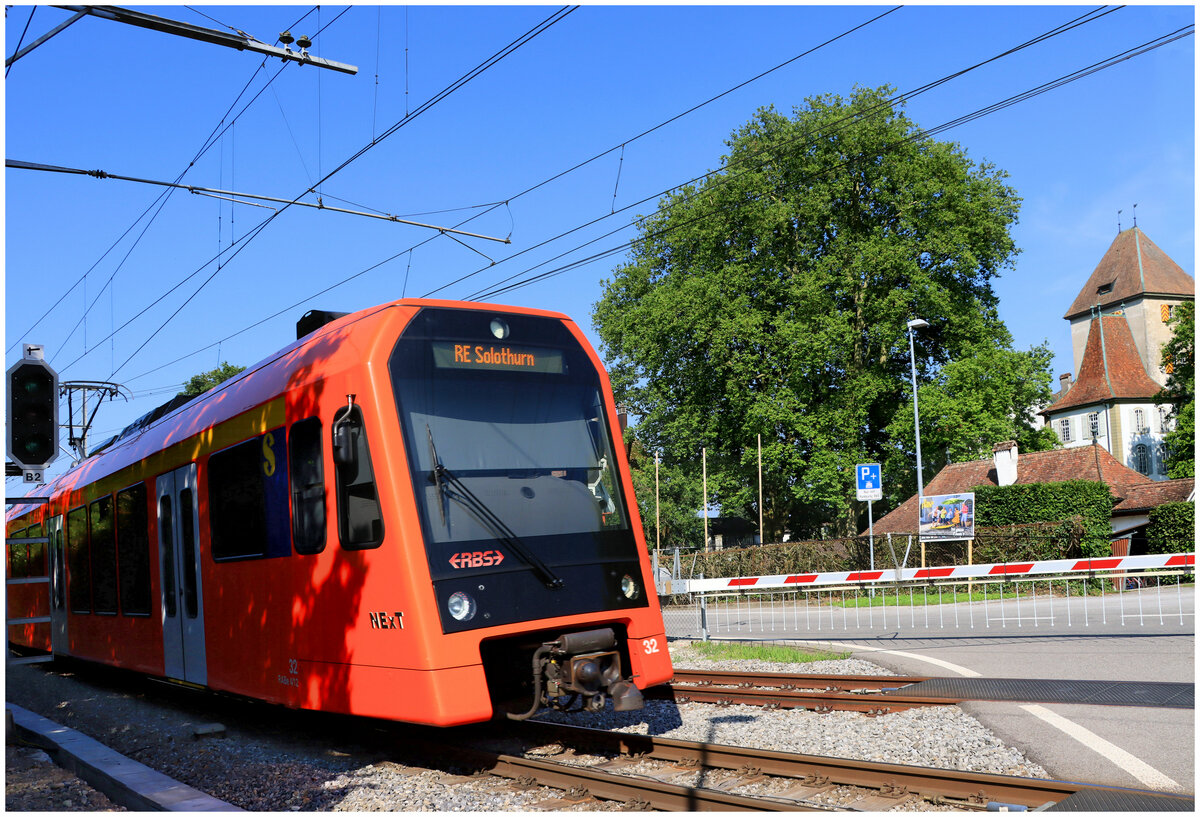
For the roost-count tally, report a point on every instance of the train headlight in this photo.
(461, 607)
(499, 328)
(629, 587)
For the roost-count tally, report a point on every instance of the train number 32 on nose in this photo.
(478, 558)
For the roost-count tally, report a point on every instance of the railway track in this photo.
(872, 695)
(647, 772)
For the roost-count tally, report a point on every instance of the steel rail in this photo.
(871, 704)
(973, 788)
(580, 782)
(636, 791)
(787, 691)
(789, 680)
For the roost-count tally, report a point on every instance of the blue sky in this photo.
(102, 95)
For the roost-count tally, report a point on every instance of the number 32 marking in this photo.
(650, 645)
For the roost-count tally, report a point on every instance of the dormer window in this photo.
(1104, 289)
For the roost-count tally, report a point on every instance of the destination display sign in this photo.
(495, 357)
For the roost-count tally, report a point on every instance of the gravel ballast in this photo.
(252, 768)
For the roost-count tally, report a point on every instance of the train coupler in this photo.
(586, 665)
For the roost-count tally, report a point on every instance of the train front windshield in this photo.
(513, 469)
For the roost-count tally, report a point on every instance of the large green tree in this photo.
(672, 502)
(772, 299)
(1179, 358)
(987, 395)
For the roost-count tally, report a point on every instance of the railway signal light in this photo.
(32, 438)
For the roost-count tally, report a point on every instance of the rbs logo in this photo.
(485, 558)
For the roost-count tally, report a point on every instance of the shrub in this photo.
(1172, 528)
(1011, 543)
(1091, 502)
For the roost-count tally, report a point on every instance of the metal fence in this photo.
(1099, 600)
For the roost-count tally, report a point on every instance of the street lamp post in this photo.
(913, 325)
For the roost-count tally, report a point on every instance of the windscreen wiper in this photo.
(437, 479)
(444, 479)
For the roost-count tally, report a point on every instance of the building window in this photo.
(1139, 422)
(1094, 424)
(1165, 423)
(1064, 429)
(1141, 459)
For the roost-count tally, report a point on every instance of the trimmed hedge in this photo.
(1013, 543)
(1172, 528)
(1091, 502)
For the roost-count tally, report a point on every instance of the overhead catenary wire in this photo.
(579, 165)
(513, 46)
(920, 135)
(20, 40)
(1088, 17)
(160, 200)
(236, 196)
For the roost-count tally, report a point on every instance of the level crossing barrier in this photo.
(1105, 594)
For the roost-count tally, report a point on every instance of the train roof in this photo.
(185, 416)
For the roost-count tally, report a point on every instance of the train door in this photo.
(59, 644)
(179, 563)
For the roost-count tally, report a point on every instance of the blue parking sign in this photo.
(869, 482)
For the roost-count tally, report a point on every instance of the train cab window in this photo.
(248, 499)
(133, 551)
(308, 486)
(104, 555)
(360, 521)
(79, 562)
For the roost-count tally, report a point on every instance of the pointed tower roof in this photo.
(1133, 266)
(1111, 368)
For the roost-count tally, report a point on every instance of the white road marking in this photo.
(1146, 775)
(969, 673)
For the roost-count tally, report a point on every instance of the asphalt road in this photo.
(1138, 636)
(1140, 747)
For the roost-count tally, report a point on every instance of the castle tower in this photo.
(1138, 280)
(1118, 328)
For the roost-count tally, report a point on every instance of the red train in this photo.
(421, 511)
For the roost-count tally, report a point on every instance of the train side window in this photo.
(308, 486)
(166, 526)
(18, 555)
(360, 521)
(37, 552)
(133, 551)
(248, 499)
(79, 562)
(187, 538)
(104, 555)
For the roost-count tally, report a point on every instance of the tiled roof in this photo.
(1133, 265)
(1145, 497)
(1111, 368)
(1091, 462)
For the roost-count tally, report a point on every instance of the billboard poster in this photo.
(948, 517)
